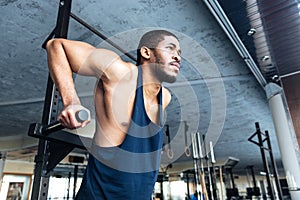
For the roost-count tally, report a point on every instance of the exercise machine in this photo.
(262, 138)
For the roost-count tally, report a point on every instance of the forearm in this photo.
(61, 72)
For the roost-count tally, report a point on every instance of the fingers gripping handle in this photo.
(81, 116)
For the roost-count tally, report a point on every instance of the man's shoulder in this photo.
(121, 71)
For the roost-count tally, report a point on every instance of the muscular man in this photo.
(129, 104)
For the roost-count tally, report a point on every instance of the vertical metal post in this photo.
(264, 158)
(161, 190)
(275, 172)
(40, 181)
(214, 181)
(187, 184)
(221, 183)
(232, 179)
(75, 180)
(69, 184)
(41, 178)
(196, 157)
(208, 169)
(253, 176)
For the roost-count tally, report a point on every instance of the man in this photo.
(129, 103)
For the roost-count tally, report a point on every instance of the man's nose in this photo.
(176, 58)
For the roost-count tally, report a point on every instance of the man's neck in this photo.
(151, 85)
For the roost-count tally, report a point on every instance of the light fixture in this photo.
(265, 173)
(251, 32)
(265, 58)
(231, 162)
(275, 78)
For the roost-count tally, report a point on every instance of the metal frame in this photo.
(260, 143)
(45, 147)
(54, 146)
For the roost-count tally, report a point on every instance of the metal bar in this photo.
(161, 191)
(75, 180)
(275, 172)
(265, 162)
(253, 176)
(62, 23)
(41, 180)
(60, 136)
(187, 184)
(208, 169)
(102, 36)
(51, 35)
(195, 147)
(38, 172)
(251, 139)
(232, 179)
(214, 180)
(69, 184)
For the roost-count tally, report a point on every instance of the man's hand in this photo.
(68, 117)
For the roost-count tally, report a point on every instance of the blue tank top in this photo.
(128, 171)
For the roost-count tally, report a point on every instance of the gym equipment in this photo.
(187, 149)
(260, 143)
(199, 174)
(252, 191)
(39, 130)
(221, 181)
(229, 164)
(170, 152)
(212, 187)
(52, 148)
(48, 154)
(232, 192)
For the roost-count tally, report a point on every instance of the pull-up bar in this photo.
(102, 36)
(92, 29)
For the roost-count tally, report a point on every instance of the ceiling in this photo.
(220, 92)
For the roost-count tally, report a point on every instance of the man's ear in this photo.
(145, 52)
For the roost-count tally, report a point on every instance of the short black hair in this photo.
(151, 40)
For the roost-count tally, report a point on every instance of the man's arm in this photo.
(67, 56)
(64, 57)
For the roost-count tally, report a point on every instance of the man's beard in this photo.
(162, 75)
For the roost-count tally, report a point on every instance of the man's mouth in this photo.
(176, 64)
